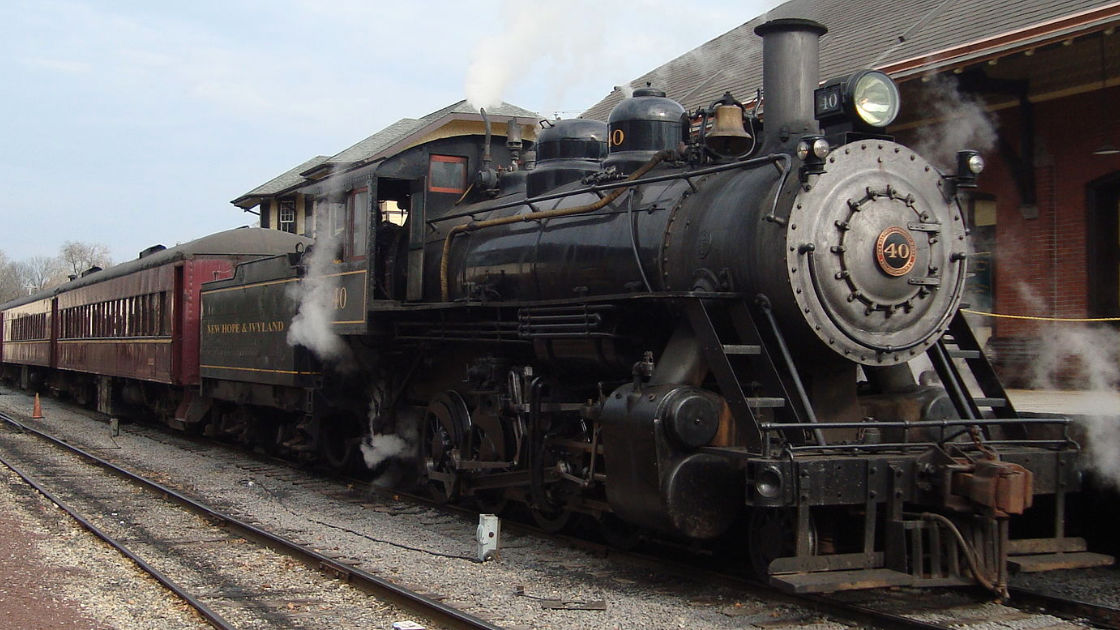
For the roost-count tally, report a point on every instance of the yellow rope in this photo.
(1043, 319)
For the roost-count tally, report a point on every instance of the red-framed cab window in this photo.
(447, 174)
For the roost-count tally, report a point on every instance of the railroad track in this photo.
(163, 532)
(928, 609)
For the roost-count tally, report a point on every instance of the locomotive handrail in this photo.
(719, 168)
(791, 449)
(900, 424)
(1065, 440)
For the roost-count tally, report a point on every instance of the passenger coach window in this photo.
(288, 216)
(447, 174)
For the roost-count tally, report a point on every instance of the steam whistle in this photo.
(513, 143)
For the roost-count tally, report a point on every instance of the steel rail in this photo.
(214, 618)
(444, 613)
(1106, 616)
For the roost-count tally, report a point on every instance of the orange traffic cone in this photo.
(37, 412)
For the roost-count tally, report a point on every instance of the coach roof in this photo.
(246, 242)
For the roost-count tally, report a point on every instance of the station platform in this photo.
(1066, 403)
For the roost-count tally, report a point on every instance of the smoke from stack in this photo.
(315, 293)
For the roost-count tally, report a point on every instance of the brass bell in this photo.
(728, 138)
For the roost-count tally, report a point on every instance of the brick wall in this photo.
(1041, 264)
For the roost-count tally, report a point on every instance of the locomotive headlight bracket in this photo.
(812, 150)
(866, 101)
(969, 165)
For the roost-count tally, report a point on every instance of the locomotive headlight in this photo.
(821, 148)
(875, 99)
(975, 164)
(803, 150)
(768, 483)
(868, 99)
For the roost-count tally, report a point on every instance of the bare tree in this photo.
(41, 272)
(11, 282)
(76, 256)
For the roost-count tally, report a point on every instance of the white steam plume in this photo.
(311, 327)
(499, 58)
(386, 443)
(377, 448)
(962, 124)
(1089, 357)
(532, 41)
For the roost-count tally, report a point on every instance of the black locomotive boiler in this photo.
(701, 326)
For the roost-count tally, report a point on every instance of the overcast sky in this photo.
(131, 123)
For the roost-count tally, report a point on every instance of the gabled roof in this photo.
(278, 184)
(390, 140)
(905, 39)
(406, 131)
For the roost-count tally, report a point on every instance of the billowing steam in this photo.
(531, 43)
(1084, 357)
(311, 327)
(1088, 357)
(377, 448)
(389, 439)
(507, 54)
(962, 123)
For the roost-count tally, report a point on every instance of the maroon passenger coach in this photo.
(110, 335)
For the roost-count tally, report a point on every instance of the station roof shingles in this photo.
(902, 38)
(278, 184)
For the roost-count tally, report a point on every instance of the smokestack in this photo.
(790, 74)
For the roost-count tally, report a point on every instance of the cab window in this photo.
(447, 174)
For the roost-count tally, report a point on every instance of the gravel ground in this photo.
(1098, 585)
(58, 575)
(432, 553)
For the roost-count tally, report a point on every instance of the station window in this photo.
(287, 218)
(447, 174)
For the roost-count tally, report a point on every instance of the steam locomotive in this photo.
(697, 324)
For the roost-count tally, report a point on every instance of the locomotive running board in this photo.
(833, 581)
(1033, 555)
(1050, 561)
